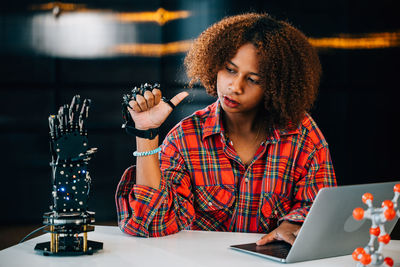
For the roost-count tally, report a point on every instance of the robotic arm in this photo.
(70, 156)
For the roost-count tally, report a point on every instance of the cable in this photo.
(31, 233)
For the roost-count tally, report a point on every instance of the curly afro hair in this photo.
(288, 64)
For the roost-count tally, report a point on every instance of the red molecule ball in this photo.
(365, 259)
(396, 188)
(384, 238)
(388, 261)
(367, 196)
(387, 203)
(375, 231)
(390, 214)
(358, 213)
(357, 252)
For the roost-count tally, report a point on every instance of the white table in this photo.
(187, 248)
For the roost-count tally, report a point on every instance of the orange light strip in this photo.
(161, 16)
(360, 41)
(153, 50)
(344, 41)
(60, 5)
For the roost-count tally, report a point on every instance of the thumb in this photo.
(179, 97)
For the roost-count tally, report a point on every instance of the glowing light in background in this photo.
(161, 16)
(344, 41)
(57, 7)
(77, 35)
(62, 6)
(153, 50)
(76, 31)
(359, 41)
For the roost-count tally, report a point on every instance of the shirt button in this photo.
(209, 204)
(246, 180)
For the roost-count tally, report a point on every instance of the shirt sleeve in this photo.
(319, 173)
(145, 211)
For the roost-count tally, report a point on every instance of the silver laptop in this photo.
(329, 229)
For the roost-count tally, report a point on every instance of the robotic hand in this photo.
(70, 156)
(71, 183)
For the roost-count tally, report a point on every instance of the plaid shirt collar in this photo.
(213, 125)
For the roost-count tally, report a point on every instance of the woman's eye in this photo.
(229, 69)
(253, 81)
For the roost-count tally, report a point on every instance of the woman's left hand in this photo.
(286, 231)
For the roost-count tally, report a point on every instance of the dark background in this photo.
(357, 108)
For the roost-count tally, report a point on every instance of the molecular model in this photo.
(369, 255)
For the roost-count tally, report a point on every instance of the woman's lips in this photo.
(230, 102)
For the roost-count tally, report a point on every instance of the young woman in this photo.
(254, 160)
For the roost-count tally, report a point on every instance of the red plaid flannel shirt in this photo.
(205, 186)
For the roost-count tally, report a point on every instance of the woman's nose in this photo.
(237, 85)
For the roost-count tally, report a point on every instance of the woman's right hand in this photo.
(149, 111)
